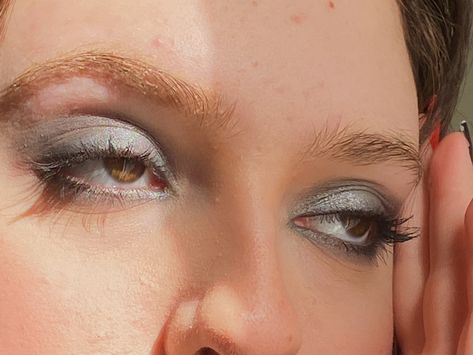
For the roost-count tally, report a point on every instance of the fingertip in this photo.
(453, 145)
(451, 165)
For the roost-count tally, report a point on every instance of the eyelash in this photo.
(390, 231)
(58, 191)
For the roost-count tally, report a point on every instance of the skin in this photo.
(219, 268)
(434, 316)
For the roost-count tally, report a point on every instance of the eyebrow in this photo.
(4, 13)
(115, 71)
(364, 148)
(341, 143)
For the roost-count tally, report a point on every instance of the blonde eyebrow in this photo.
(113, 70)
(121, 72)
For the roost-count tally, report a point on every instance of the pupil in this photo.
(360, 228)
(124, 170)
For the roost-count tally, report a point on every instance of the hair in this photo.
(437, 35)
(4, 8)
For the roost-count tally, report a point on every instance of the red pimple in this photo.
(160, 42)
(331, 4)
(157, 42)
(298, 19)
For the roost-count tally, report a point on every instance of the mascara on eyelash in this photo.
(465, 128)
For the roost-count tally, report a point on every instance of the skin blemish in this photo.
(162, 43)
(331, 5)
(254, 3)
(298, 19)
(157, 42)
(254, 64)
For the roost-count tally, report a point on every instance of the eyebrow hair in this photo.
(341, 143)
(115, 71)
(4, 13)
(363, 148)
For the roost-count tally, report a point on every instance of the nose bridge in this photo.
(246, 309)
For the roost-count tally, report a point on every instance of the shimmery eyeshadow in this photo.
(348, 196)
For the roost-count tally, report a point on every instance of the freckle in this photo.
(298, 19)
(254, 3)
(331, 4)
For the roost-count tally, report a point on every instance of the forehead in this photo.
(286, 63)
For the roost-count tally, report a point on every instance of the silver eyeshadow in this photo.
(75, 139)
(349, 196)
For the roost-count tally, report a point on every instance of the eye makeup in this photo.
(353, 218)
(84, 159)
(83, 162)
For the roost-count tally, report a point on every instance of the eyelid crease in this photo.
(325, 199)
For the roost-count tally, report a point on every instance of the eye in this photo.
(355, 230)
(96, 161)
(117, 172)
(124, 170)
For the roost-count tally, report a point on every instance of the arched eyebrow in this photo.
(121, 73)
(116, 71)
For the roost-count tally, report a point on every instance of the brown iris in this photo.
(358, 227)
(124, 170)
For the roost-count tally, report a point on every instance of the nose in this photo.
(237, 301)
(248, 313)
(226, 322)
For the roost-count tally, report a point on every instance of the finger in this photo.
(466, 339)
(411, 265)
(451, 189)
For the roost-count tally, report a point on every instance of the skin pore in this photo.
(255, 113)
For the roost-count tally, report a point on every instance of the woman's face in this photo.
(182, 175)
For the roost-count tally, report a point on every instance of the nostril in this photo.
(206, 351)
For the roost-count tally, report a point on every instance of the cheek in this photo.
(343, 308)
(60, 296)
(24, 313)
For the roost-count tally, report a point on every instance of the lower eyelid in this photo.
(345, 251)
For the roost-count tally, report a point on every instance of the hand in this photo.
(433, 275)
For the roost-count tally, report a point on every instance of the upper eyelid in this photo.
(47, 133)
(56, 139)
(310, 201)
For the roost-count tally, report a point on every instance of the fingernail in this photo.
(465, 128)
(435, 137)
